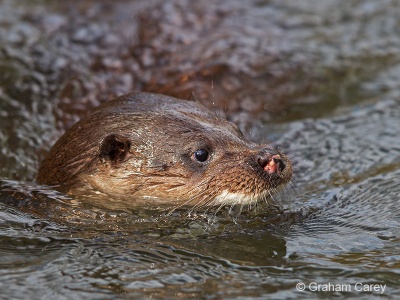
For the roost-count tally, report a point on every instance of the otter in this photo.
(153, 149)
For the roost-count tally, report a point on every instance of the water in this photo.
(318, 79)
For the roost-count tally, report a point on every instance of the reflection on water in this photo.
(340, 218)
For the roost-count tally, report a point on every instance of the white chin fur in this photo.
(227, 198)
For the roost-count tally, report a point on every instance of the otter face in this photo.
(165, 150)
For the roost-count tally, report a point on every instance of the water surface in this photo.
(318, 79)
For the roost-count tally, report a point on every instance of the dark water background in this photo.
(320, 79)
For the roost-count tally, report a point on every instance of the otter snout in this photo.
(271, 163)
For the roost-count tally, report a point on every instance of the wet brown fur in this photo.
(140, 146)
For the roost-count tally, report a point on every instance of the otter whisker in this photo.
(270, 196)
(218, 209)
(203, 202)
(194, 198)
(291, 185)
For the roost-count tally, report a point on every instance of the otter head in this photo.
(153, 148)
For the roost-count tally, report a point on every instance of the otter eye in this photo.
(200, 155)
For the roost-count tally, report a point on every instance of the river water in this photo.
(318, 79)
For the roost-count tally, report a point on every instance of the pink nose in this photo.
(271, 163)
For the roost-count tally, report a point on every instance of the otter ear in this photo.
(114, 148)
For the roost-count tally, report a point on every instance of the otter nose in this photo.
(271, 163)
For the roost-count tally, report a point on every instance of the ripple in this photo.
(365, 216)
